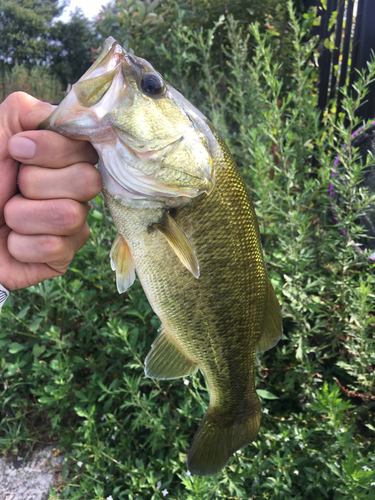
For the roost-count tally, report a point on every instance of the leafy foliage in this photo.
(146, 27)
(37, 81)
(24, 30)
(71, 52)
(72, 350)
(31, 38)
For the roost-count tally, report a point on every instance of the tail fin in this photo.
(213, 444)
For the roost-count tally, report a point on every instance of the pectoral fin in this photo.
(273, 326)
(165, 360)
(122, 263)
(179, 242)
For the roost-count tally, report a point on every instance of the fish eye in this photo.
(151, 85)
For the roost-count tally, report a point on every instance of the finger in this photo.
(16, 107)
(53, 217)
(49, 149)
(8, 183)
(50, 256)
(20, 112)
(56, 251)
(81, 182)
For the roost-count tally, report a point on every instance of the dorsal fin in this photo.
(122, 263)
(179, 242)
(273, 325)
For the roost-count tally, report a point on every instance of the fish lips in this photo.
(89, 101)
(69, 120)
(81, 112)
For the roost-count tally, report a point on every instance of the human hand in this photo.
(43, 222)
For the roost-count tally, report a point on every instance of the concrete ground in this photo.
(29, 479)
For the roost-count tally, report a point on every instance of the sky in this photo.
(90, 8)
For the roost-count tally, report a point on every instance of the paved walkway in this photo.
(30, 480)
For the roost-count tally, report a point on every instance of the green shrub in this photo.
(37, 81)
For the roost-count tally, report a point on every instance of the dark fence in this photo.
(354, 35)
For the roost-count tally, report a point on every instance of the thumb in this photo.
(21, 111)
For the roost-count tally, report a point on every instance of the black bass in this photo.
(187, 226)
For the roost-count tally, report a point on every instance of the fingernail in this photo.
(20, 147)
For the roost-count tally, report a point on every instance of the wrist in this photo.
(4, 294)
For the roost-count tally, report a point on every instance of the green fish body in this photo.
(187, 226)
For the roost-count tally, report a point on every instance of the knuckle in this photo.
(7, 212)
(96, 182)
(13, 246)
(14, 98)
(58, 249)
(10, 211)
(17, 100)
(51, 246)
(89, 180)
(71, 216)
(79, 240)
(85, 233)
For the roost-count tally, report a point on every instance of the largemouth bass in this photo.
(187, 226)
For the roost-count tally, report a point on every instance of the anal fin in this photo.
(179, 242)
(122, 263)
(165, 360)
(273, 325)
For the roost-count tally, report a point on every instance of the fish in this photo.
(187, 226)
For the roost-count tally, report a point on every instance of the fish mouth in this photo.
(81, 112)
(112, 56)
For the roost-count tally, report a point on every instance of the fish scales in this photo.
(214, 297)
(227, 315)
